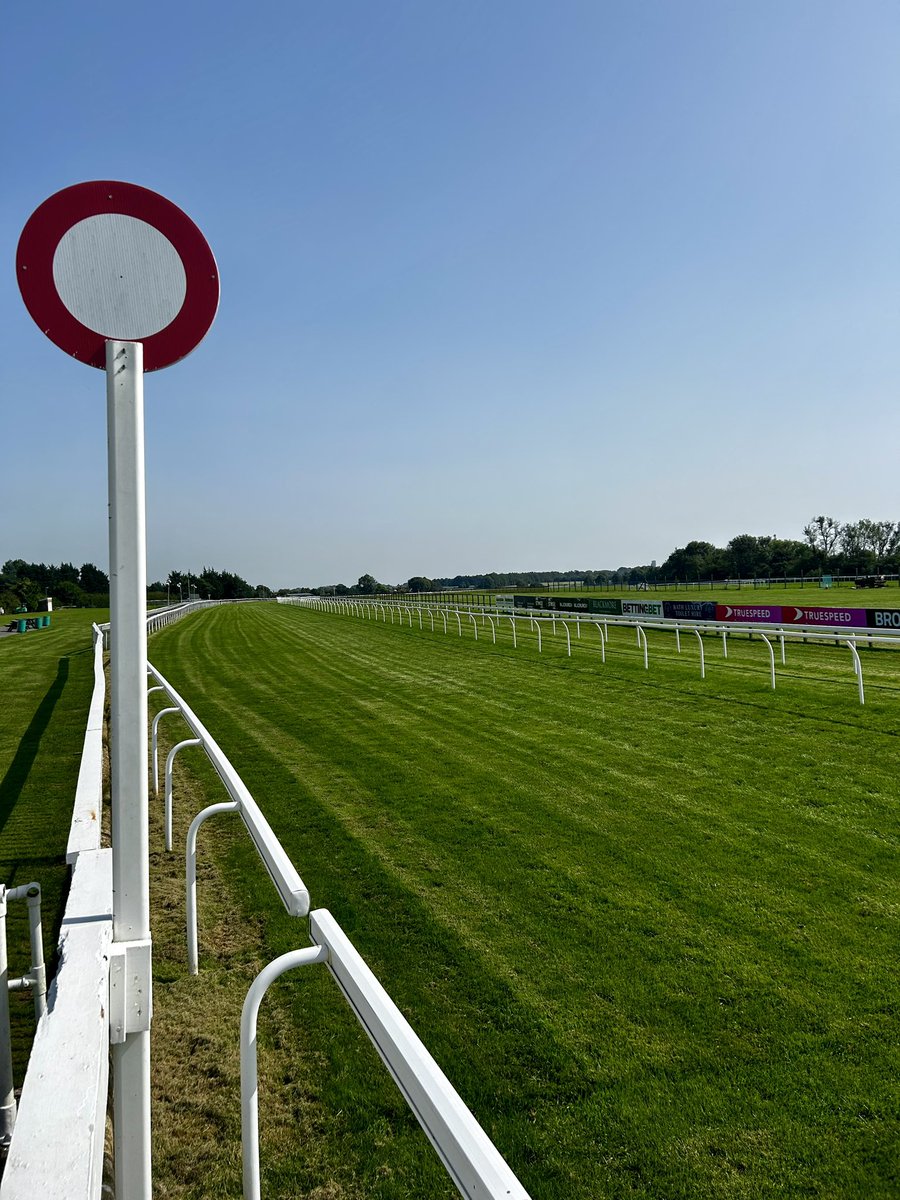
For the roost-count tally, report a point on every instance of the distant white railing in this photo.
(836, 635)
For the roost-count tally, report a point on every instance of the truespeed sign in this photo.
(113, 261)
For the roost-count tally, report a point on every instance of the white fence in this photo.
(402, 612)
(57, 1145)
(56, 1150)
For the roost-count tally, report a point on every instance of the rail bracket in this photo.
(130, 989)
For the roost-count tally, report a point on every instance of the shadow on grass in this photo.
(14, 780)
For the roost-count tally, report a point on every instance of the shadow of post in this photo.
(22, 761)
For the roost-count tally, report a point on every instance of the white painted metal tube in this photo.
(469, 1156)
(475, 623)
(128, 745)
(249, 1077)
(644, 636)
(190, 873)
(568, 639)
(851, 644)
(290, 887)
(512, 622)
(7, 1088)
(37, 976)
(771, 658)
(702, 658)
(493, 630)
(170, 759)
(154, 741)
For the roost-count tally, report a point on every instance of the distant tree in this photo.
(92, 579)
(419, 583)
(367, 585)
(823, 534)
(70, 595)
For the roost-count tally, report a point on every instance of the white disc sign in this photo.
(107, 260)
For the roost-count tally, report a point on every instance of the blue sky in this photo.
(505, 285)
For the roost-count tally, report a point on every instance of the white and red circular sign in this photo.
(106, 260)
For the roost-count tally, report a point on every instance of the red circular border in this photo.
(45, 229)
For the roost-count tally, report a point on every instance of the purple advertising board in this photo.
(852, 617)
(767, 614)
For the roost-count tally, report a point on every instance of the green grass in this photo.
(46, 679)
(646, 923)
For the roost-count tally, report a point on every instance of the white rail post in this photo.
(249, 1075)
(130, 953)
(702, 659)
(644, 636)
(677, 639)
(857, 666)
(7, 1088)
(602, 642)
(190, 873)
(771, 658)
(512, 621)
(568, 639)
(31, 894)
(475, 623)
(170, 759)
(154, 743)
(724, 643)
(493, 629)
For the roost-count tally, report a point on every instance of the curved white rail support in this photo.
(602, 641)
(724, 643)
(644, 636)
(155, 743)
(771, 658)
(475, 623)
(249, 1076)
(190, 872)
(537, 625)
(493, 630)
(512, 622)
(702, 658)
(857, 666)
(677, 639)
(170, 759)
(568, 639)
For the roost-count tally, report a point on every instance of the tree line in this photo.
(25, 583)
(862, 547)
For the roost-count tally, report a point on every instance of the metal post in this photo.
(249, 1078)
(7, 1092)
(128, 763)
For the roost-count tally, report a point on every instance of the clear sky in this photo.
(506, 285)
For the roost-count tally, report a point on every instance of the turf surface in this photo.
(46, 679)
(646, 923)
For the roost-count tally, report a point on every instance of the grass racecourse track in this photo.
(647, 924)
(46, 679)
